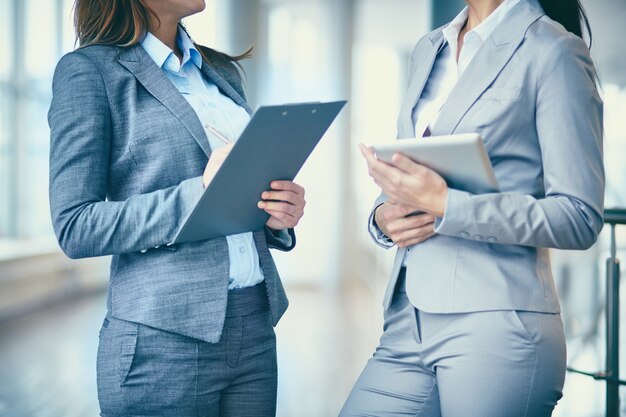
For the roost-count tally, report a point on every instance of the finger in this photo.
(285, 219)
(279, 215)
(408, 243)
(224, 150)
(391, 213)
(403, 224)
(368, 153)
(421, 220)
(385, 179)
(406, 164)
(375, 165)
(287, 186)
(278, 207)
(286, 196)
(411, 234)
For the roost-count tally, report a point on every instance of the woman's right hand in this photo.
(404, 228)
(215, 162)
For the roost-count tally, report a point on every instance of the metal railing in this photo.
(612, 217)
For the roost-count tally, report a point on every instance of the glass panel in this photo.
(6, 179)
(6, 38)
(6, 93)
(34, 208)
(40, 51)
(67, 26)
(615, 144)
(42, 22)
(202, 26)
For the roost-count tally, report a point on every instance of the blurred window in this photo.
(6, 99)
(33, 36)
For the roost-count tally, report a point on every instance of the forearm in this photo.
(559, 221)
(98, 228)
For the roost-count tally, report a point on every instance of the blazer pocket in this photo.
(501, 94)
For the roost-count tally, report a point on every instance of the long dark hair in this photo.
(121, 23)
(570, 14)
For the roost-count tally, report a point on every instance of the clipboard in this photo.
(274, 146)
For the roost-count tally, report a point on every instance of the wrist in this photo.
(440, 208)
(375, 218)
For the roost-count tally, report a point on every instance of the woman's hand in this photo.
(408, 183)
(402, 226)
(215, 162)
(285, 203)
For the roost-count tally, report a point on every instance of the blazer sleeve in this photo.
(569, 128)
(85, 223)
(283, 240)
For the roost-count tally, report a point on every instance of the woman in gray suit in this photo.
(472, 319)
(141, 119)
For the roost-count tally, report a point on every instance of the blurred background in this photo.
(51, 308)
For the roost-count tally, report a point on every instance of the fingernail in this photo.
(261, 204)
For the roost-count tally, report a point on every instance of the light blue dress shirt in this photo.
(218, 112)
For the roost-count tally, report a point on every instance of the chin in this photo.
(199, 5)
(192, 7)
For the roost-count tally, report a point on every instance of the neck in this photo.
(166, 30)
(479, 10)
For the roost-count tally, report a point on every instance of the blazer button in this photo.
(492, 239)
(464, 234)
(478, 237)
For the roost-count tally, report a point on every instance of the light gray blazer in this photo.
(127, 155)
(530, 92)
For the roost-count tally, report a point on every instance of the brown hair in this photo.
(121, 23)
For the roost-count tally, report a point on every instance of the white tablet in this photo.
(460, 159)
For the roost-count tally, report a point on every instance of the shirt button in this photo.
(212, 105)
(242, 249)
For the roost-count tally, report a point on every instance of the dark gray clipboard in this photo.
(274, 146)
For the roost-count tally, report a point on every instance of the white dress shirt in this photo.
(216, 111)
(446, 70)
(445, 74)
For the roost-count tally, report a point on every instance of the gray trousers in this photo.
(148, 372)
(485, 364)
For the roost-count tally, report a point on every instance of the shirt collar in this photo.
(162, 55)
(484, 29)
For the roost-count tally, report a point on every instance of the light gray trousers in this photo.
(485, 364)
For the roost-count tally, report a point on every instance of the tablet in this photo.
(460, 159)
(274, 145)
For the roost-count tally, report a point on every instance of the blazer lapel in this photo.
(423, 65)
(488, 62)
(137, 61)
(224, 86)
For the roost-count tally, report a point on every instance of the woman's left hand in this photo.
(285, 203)
(408, 183)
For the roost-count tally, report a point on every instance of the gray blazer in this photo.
(126, 161)
(530, 92)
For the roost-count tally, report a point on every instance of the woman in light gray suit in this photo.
(141, 119)
(472, 319)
